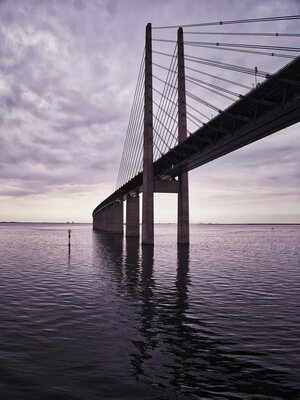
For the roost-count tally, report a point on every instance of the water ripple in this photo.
(111, 319)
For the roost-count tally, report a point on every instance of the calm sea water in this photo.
(108, 319)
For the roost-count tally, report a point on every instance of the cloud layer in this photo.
(67, 76)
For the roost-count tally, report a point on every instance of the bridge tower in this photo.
(110, 218)
(149, 184)
(148, 204)
(183, 184)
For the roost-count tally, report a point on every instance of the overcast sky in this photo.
(68, 70)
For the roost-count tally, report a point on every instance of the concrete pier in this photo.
(106, 218)
(115, 222)
(133, 215)
(110, 218)
(97, 220)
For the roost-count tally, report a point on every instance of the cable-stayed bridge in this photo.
(197, 100)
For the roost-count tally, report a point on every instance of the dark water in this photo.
(112, 320)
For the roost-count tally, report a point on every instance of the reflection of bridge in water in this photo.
(153, 161)
(174, 347)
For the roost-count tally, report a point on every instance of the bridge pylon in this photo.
(133, 215)
(110, 218)
(151, 185)
(148, 204)
(183, 183)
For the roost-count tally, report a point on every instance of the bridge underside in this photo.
(270, 107)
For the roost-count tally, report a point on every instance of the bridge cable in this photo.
(169, 117)
(201, 83)
(260, 34)
(202, 101)
(136, 127)
(137, 133)
(218, 64)
(122, 169)
(231, 67)
(227, 47)
(138, 159)
(135, 122)
(197, 111)
(164, 99)
(191, 118)
(237, 47)
(171, 101)
(231, 22)
(218, 77)
(129, 131)
(134, 133)
(162, 124)
(167, 95)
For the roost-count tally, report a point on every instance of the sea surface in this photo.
(110, 319)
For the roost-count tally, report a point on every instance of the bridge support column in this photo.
(97, 221)
(133, 215)
(183, 185)
(148, 212)
(115, 220)
(106, 218)
(183, 234)
(103, 216)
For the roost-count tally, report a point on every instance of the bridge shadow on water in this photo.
(174, 351)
